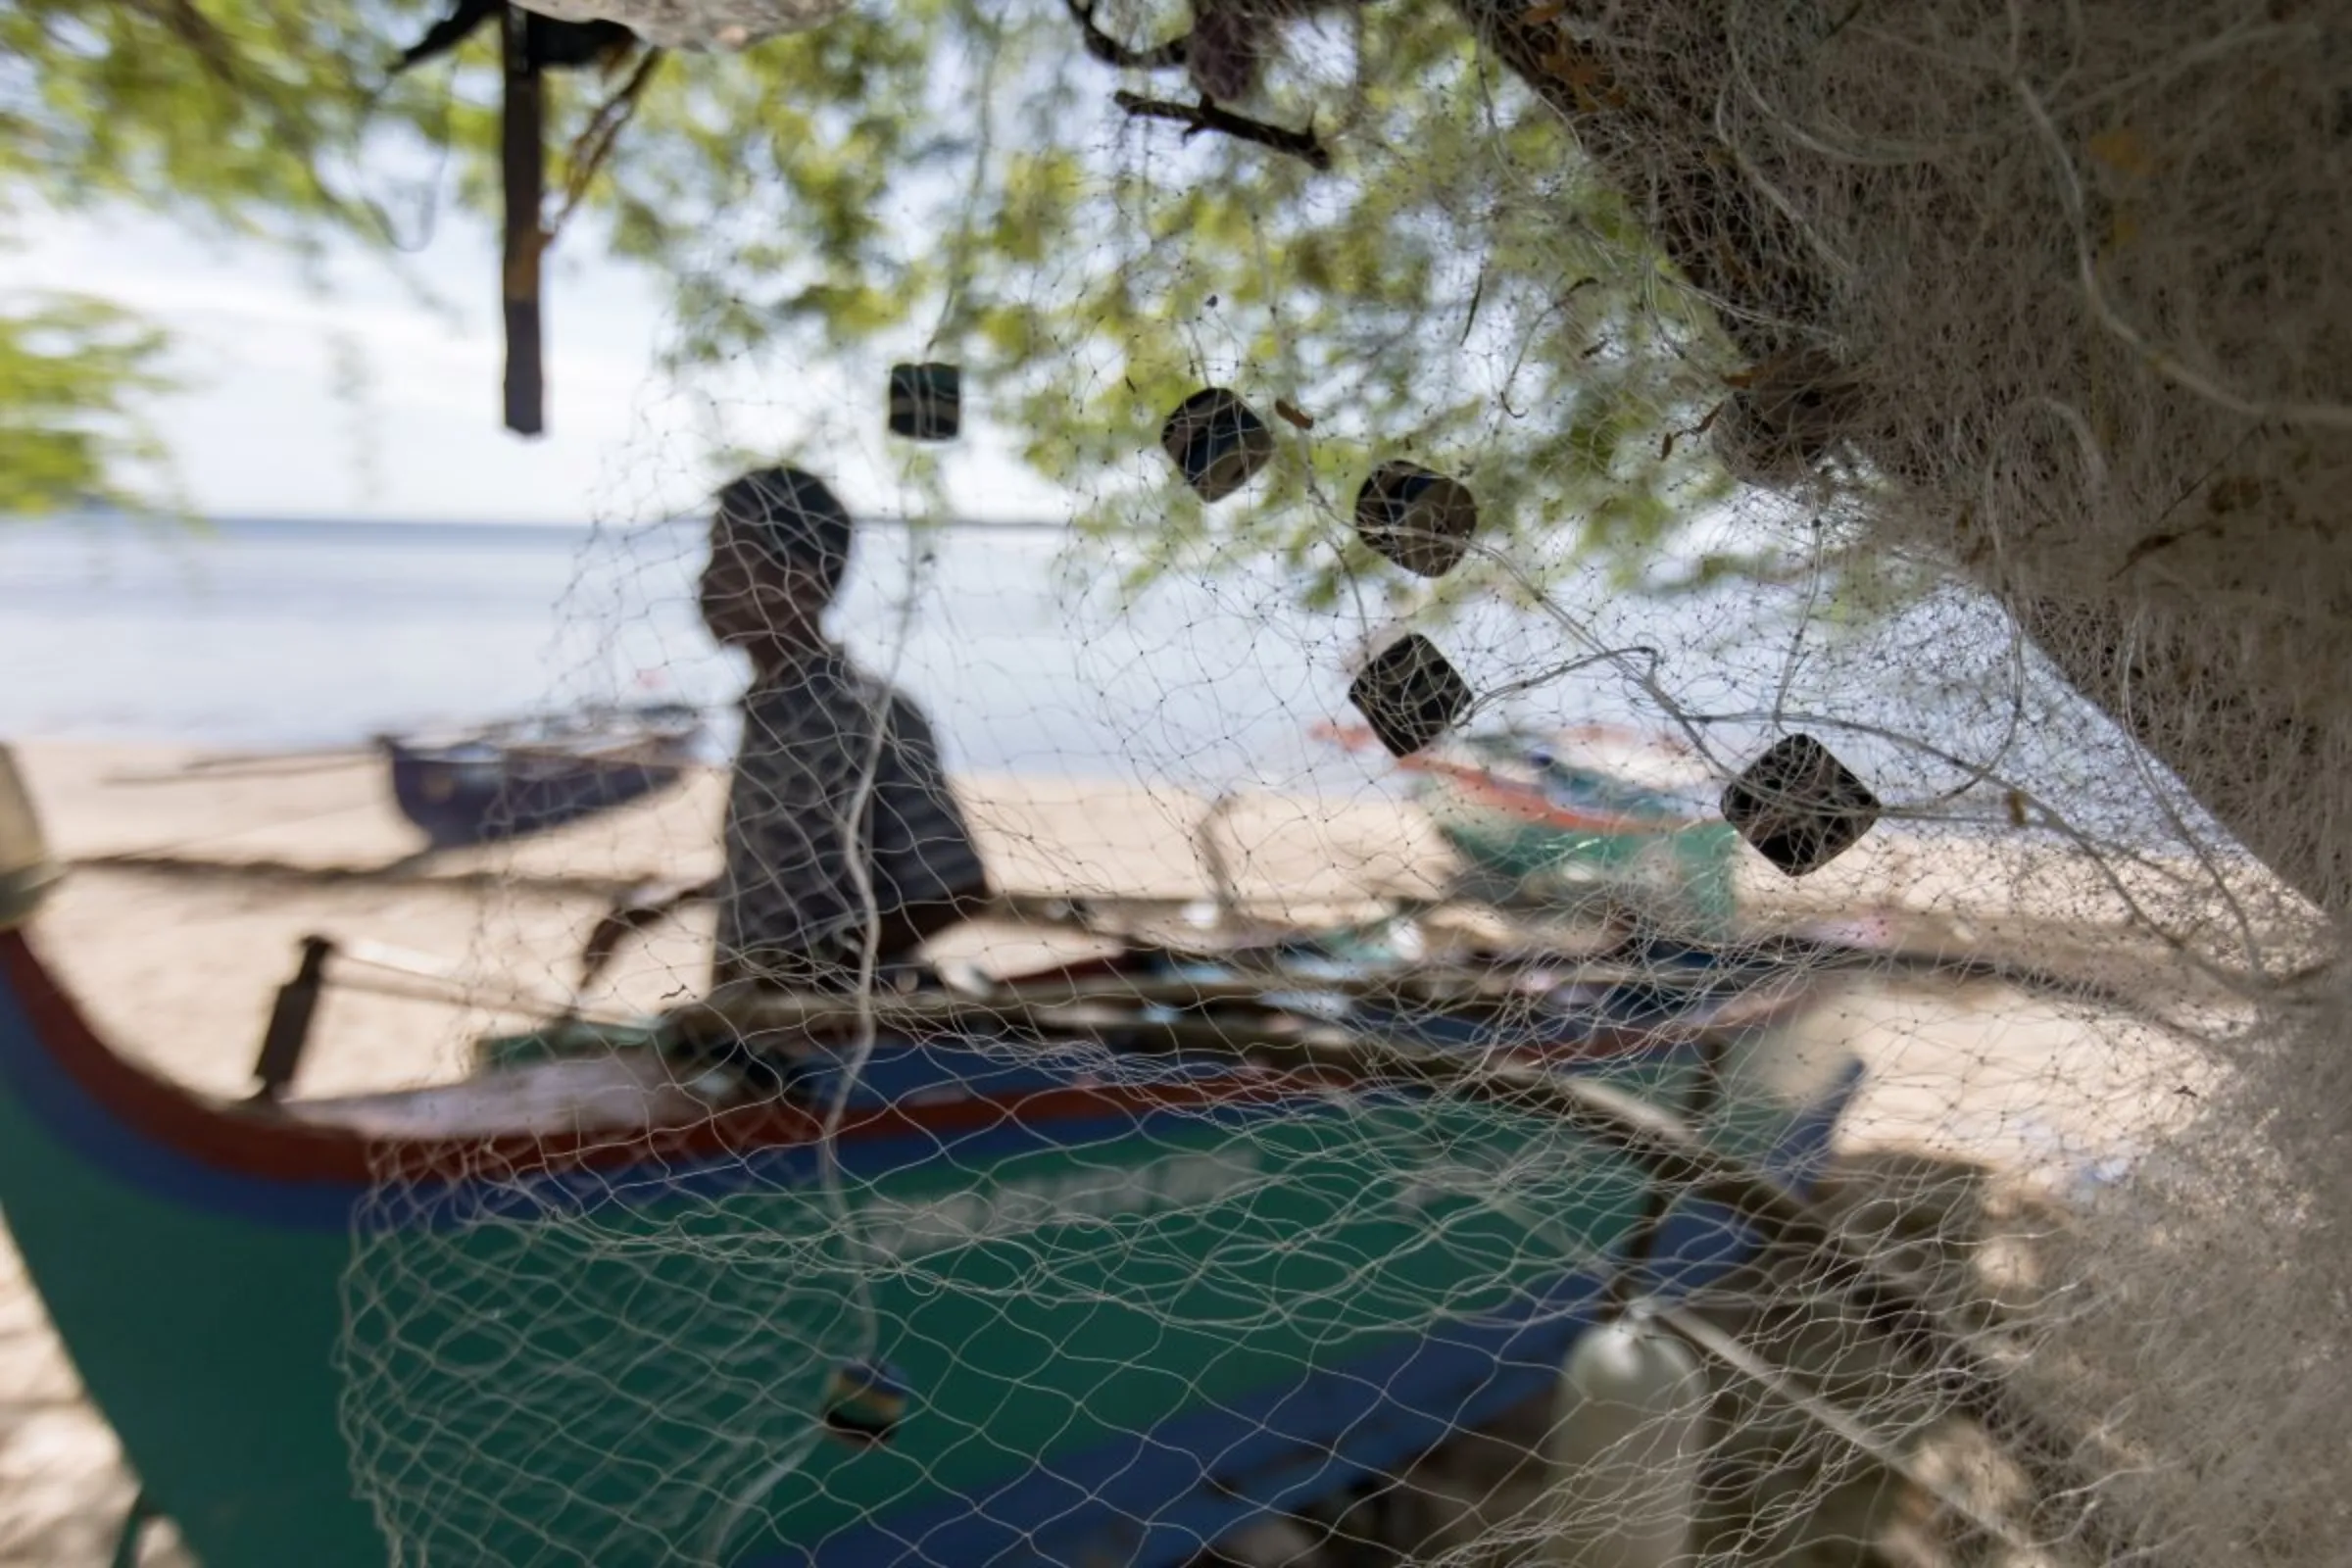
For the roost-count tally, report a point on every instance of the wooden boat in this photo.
(1590, 809)
(525, 776)
(1073, 1277)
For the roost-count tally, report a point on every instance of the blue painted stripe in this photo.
(181, 1181)
(78, 1121)
(1159, 1497)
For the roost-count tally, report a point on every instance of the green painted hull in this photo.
(207, 1343)
(1689, 871)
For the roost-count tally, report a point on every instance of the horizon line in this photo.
(551, 524)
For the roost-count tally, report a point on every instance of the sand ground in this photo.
(188, 892)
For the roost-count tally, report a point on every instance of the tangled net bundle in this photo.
(2058, 294)
(2051, 303)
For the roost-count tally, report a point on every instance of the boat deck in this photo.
(622, 1094)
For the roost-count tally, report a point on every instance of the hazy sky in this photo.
(379, 397)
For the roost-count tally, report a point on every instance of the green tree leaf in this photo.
(73, 370)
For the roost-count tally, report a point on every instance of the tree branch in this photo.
(447, 33)
(593, 144)
(1206, 116)
(1103, 47)
(1623, 103)
(193, 29)
(522, 176)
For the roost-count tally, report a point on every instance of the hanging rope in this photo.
(594, 143)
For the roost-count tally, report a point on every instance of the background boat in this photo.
(525, 776)
(1588, 812)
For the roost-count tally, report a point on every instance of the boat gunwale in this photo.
(658, 751)
(260, 1141)
(1526, 802)
(451, 787)
(1529, 803)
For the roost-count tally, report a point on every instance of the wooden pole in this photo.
(522, 165)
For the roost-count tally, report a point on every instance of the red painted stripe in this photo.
(1513, 799)
(256, 1141)
(1531, 804)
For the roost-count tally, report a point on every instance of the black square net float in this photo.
(1409, 694)
(926, 401)
(1417, 519)
(1799, 805)
(1217, 443)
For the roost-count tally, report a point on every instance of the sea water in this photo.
(266, 633)
(1023, 645)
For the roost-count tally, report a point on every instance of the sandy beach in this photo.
(187, 893)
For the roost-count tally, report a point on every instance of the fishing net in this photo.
(1959, 387)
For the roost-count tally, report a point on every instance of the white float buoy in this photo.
(1626, 1446)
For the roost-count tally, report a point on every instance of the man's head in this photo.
(780, 546)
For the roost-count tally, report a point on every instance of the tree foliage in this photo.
(952, 178)
(266, 118)
(254, 116)
(72, 370)
(954, 182)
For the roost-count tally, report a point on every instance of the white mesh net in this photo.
(1140, 1120)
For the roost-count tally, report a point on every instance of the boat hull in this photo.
(483, 790)
(1593, 814)
(1688, 871)
(1125, 1325)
